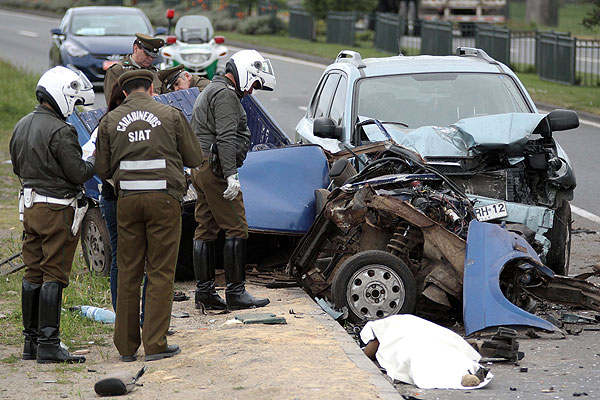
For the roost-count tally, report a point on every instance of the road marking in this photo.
(25, 15)
(302, 108)
(585, 214)
(28, 34)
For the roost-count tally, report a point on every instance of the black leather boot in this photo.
(234, 260)
(30, 303)
(49, 349)
(204, 271)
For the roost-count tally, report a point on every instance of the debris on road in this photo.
(261, 318)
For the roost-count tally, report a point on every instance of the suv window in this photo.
(339, 102)
(437, 98)
(324, 98)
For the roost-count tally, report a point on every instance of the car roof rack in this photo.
(474, 52)
(351, 57)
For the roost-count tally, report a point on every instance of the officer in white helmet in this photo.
(219, 121)
(46, 156)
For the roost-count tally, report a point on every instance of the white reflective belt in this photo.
(143, 185)
(143, 164)
(38, 198)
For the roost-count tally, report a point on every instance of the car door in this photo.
(328, 101)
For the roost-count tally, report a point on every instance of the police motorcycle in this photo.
(194, 46)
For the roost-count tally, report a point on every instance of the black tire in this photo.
(558, 257)
(95, 242)
(374, 284)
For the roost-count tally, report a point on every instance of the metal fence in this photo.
(301, 25)
(555, 57)
(495, 41)
(436, 38)
(588, 62)
(340, 27)
(388, 30)
(522, 45)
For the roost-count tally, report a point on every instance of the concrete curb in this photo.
(384, 387)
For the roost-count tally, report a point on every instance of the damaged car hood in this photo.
(466, 137)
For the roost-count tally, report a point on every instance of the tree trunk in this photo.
(542, 12)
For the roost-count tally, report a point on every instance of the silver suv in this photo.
(468, 115)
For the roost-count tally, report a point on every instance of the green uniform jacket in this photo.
(218, 116)
(118, 69)
(143, 146)
(199, 82)
(46, 154)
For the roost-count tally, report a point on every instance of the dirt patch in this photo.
(301, 359)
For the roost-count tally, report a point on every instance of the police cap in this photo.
(136, 74)
(150, 44)
(169, 75)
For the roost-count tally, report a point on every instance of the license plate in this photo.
(491, 211)
(106, 64)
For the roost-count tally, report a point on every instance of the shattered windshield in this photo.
(109, 25)
(438, 99)
(194, 29)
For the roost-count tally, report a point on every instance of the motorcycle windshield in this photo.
(194, 29)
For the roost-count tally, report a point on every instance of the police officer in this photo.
(46, 156)
(177, 78)
(143, 146)
(145, 51)
(219, 121)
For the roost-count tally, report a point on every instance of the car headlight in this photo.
(196, 58)
(75, 50)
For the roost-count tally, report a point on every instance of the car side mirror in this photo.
(56, 31)
(324, 127)
(562, 120)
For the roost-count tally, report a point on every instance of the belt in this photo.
(38, 198)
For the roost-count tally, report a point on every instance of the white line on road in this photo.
(24, 15)
(28, 34)
(585, 214)
(302, 108)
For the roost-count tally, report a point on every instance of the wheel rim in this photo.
(375, 291)
(94, 248)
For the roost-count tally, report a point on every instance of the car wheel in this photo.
(95, 242)
(374, 284)
(559, 255)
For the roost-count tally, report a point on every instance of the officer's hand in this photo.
(233, 187)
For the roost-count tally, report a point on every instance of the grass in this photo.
(569, 20)
(580, 98)
(317, 48)
(18, 98)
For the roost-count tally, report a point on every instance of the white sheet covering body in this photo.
(419, 352)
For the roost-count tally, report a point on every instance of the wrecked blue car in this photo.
(279, 198)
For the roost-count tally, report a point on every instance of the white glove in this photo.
(233, 187)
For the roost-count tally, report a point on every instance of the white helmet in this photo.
(248, 66)
(63, 88)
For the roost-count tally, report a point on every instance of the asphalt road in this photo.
(557, 369)
(27, 38)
